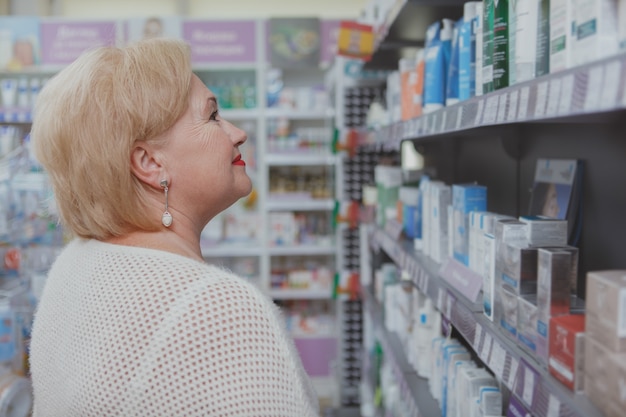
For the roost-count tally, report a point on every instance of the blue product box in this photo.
(465, 198)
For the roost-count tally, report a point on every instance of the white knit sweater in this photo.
(125, 331)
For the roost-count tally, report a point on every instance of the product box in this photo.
(490, 401)
(470, 382)
(475, 261)
(440, 198)
(596, 391)
(596, 30)
(527, 321)
(556, 269)
(519, 268)
(506, 311)
(465, 198)
(562, 28)
(489, 275)
(450, 229)
(388, 181)
(567, 347)
(507, 231)
(408, 196)
(605, 374)
(545, 231)
(606, 304)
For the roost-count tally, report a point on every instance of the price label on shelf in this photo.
(441, 296)
(497, 359)
(510, 382)
(567, 94)
(486, 349)
(513, 100)
(522, 112)
(554, 406)
(478, 334)
(491, 110)
(502, 108)
(5, 172)
(424, 286)
(542, 97)
(479, 112)
(449, 302)
(594, 88)
(433, 123)
(553, 98)
(529, 386)
(444, 116)
(612, 75)
(459, 117)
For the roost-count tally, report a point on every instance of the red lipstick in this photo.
(239, 161)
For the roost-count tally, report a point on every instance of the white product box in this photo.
(440, 199)
(606, 308)
(519, 268)
(596, 30)
(476, 262)
(545, 231)
(489, 275)
(562, 29)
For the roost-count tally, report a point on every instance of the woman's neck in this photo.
(165, 240)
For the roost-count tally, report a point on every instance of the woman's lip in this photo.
(239, 161)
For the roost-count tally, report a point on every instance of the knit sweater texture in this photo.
(127, 331)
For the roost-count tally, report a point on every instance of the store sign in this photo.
(214, 42)
(63, 41)
(330, 35)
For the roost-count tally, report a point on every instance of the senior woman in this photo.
(132, 321)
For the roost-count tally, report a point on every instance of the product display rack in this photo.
(591, 93)
(503, 356)
(414, 389)
(253, 258)
(495, 140)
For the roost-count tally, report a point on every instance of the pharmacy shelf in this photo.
(414, 390)
(306, 250)
(299, 114)
(300, 159)
(311, 204)
(517, 368)
(300, 294)
(239, 114)
(595, 92)
(15, 116)
(404, 26)
(225, 250)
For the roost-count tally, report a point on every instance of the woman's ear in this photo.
(146, 165)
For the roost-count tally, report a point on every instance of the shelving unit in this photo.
(502, 355)
(414, 389)
(495, 140)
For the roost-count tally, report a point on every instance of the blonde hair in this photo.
(87, 120)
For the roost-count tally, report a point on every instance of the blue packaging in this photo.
(467, 52)
(437, 57)
(452, 82)
(465, 198)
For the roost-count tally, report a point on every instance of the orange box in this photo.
(567, 347)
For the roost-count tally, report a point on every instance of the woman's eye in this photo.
(214, 115)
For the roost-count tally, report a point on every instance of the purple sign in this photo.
(330, 34)
(215, 42)
(63, 41)
(461, 278)
(516, 408)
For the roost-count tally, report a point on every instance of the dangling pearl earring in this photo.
(166, 218)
